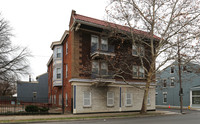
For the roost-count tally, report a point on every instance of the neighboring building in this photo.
(33, 91)
(78, 62)
(168, 86)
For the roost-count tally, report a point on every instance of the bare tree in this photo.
(173, 21)
(13, 59)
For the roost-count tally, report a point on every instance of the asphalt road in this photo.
(190, 117)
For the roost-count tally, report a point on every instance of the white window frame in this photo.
(66, 70)
(58, 73)
(34, 94)
(66, 48)
(58, 51)
(92, 41)
(54, 99)
(164, 97)
(95, 67)
(112, 99)
(141, 70)
(164, 82)
(104, 43)
(135, 67)
(142, 51)
(60, 99)
(149, 99)
(66, 99)
(126, 98)
(135, 48)
(90, 101)
(172, 81)
(106, 65)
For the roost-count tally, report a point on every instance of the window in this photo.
(58, 74)
(66, 70)
(164, 83)
(110, 99)
(60, 99)
(95, 67)
(138, 71)
(141, 72)
(142, 51)
(138, 50)
(104, 68)
(54, 98)
(128, 99)
(86, 99)
(94, 42)
(148, 100)
(66, 99)
(66, 48)
(104, 44)
(172, 69)
(164, 97)
(58, 53)
(135, 71)
(34, 94)
(172, 81)
(134, 50)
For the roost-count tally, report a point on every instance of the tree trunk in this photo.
(144, 103)
(146, 92)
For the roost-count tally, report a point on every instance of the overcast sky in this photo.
(37, 23)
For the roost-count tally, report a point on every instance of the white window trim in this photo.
(34, 94)
(110, 99)
(97, 41)
(66, 99)
(85, 98)
(141, 47)
(106, 44)
(100, 64)
(58, 52)
(172, 78)
(130, 99)
(136, 71)
(136, 48)
(166, 83)
(58, 73)
(66, 48)
(149, 99)
(164, 93)
(66, 70)
(140, 67)
(97, 66)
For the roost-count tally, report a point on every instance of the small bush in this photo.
(31, 108)
(44, 109)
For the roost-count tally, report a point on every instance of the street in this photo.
(190, 117)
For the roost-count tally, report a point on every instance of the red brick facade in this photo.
(78, 57)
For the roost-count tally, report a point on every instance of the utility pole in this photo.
(179, 71)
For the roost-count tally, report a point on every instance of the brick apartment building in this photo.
(81, 64)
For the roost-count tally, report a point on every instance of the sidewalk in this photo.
(41, 118)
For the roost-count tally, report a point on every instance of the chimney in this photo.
(29, 78)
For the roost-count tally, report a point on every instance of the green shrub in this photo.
(31, 108)
(44, 109)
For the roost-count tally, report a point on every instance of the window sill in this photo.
(87, 106)
(128, 105)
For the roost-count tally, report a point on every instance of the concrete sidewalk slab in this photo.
(29, 118)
